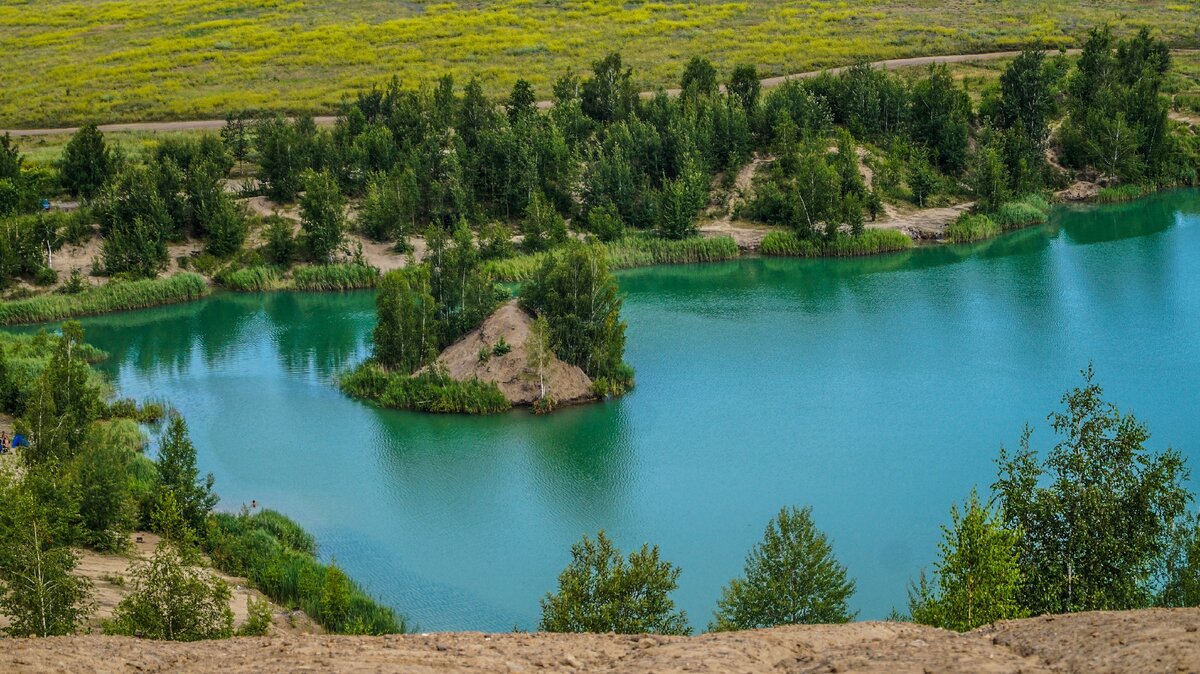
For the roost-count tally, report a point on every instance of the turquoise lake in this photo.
(877, 391)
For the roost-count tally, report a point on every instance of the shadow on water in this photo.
(324, 332)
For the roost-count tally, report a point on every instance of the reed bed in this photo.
(428, 391)
(113, 296)
(870, 242)
(334, 277)
(1031, 210)
(1121, 193)
(972, 227)
(627, 253)
(251, 279)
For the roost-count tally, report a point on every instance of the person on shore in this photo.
(4, 442)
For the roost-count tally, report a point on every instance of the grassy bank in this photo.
(120, 61)
(1123, 193)
(279, 557)
(430, 391)
(632, 251)
(332, 277)
(870, 242)
(1024, 212)
(113, 296)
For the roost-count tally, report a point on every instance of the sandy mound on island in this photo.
(564, 382)
(1155, 640)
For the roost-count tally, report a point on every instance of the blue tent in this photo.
(19, 441)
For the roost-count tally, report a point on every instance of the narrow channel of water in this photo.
(875, 390)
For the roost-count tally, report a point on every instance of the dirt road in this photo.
(1155, 640)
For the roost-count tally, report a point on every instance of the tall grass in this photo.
(429, 391)
(334, 277)
(113, 296)
(972, 227)
(870, 242)
(1030, 210)
(1120, 193)
(629, 252)
(250, 279)
(279, 557)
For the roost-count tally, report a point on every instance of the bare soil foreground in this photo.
(1156, 640)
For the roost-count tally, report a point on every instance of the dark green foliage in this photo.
(1183, 568)
(179, 477)
(605, 223)
(281, 247)
(989, 180)
(285, 151)
(136, 223)
(699, 80)
(977, 578)
(63, 403)
(278, 558)
(543, 228)
(1096, 513)
(744, 86)
(322, 216)
(941, 118)
(211, 211)
(609, 94)
(601, 592)
(107, 507)
(578, 297)
(87, 163)
(407, 334)
(1026, 96)
(791, 578)
(389, 211)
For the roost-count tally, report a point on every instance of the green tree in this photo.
(605, 223)
(543, 228)
(280, 248)
(579, 299)
(171, 600)
(322, 216)
(212, 211)
(791, 578)
(538, 353)
(600, 592)
(283, 156)
(1096, 513)
(407, 331)
(977, 578)
(522, 102)
(65, 401)
(235, 134)
(744, 86)
(1026, 98)
(106, 504)
(335, 598)
(989, 180)
(699, 80)
(39, 591)
(922, 181)
(609, 94)
(179, 476)
(87, 163)
(941, 116)
(389, 211)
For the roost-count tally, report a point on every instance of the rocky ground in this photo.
(1135, 641)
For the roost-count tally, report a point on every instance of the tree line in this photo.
(604, 160)
(1097, 521)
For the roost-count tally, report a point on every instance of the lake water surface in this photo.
(876, 390)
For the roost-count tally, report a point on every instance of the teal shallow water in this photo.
(875, 390)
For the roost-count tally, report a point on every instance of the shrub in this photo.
(173, 600)
(281, 244)
(600, 592)
(259, 620)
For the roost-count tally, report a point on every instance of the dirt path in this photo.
(1155, 640)
(326, 120)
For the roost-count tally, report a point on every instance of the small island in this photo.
(450, 340)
